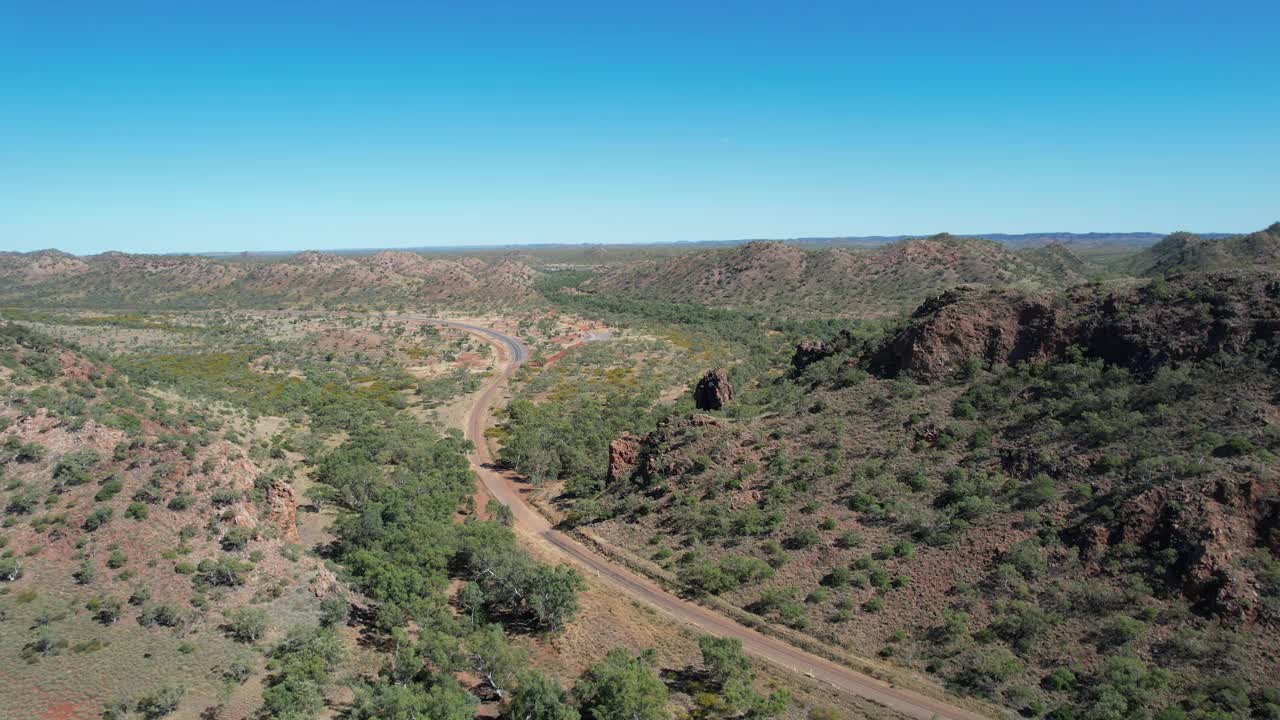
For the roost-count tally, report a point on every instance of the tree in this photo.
(10, 569)
(161, 701)
(500, 512)
(516, 586)
(333, 610)
(731, 672)
(106, 610)
(622, 687)
(246, 624)
(471, 598)
(85, 574)
(44, 644)
(237, 538)
(723, 658)
(73, 469)
(494, 659)
(223, 572)
(539, 698)
(443, 701)
(305, 659)
(552, 595)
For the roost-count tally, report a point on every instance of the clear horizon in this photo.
(149, 127)
(587, 243)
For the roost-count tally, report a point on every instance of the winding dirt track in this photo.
(530, 522)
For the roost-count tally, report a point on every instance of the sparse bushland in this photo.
(176, 459)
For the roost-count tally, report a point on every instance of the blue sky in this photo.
(167, 127)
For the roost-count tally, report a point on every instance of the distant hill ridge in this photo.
(1187, 252)
(122, 280)
(837, 279)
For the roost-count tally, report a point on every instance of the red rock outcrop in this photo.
(283, 511)
(1187, 318)
(713, 391)
(995, 327)
(624, 452)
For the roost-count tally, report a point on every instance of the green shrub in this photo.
(237, 538)
(802, 540)
(181, 502)
(73, 468)
(849, 540)
(10, 569)
(29, 452)
(160, 702)
(108, 489)
(99, 517)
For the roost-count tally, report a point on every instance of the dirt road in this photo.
(531, 524)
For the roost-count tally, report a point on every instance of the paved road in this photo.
(503, 487)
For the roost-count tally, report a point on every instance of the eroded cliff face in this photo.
(995, 327)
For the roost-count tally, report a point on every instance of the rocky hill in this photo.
(1185, 252)
(836, 280)
(1142, 328)
(186, 281)
(1067, 502)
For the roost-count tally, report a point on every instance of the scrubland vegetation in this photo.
(1054, 496)
(149, 518)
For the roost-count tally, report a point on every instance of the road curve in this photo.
(502, 486)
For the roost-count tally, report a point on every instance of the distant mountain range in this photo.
(1036, 239)
(836, 276)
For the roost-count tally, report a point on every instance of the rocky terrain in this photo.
(1142, 328)
(1033, 495)
(1187, 252)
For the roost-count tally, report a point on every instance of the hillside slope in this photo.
(1185, 252)
(134, 530)
(1066, 502)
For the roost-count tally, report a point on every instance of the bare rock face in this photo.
(623, 454)
(965, 323)
(713, 391)
(284, 509)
